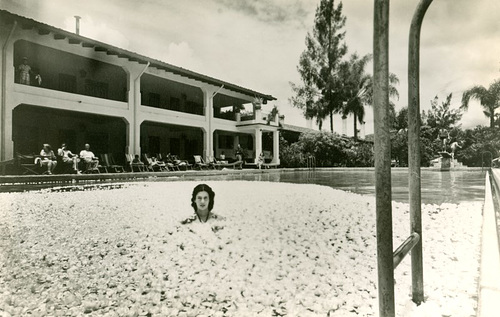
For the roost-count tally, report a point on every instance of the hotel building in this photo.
(119, 101)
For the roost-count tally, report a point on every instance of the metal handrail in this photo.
(405, 248)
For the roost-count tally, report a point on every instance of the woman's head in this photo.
(202, 198)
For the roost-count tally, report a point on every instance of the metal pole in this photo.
(383, 158)
(414, 149)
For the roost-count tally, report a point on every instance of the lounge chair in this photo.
(28, 164)
(234, 165)
(135, 166)
(93, 166)
(182, 163)
(110, 165)
(212, 162)
(167, 160)
(153, 164)
(199, 163)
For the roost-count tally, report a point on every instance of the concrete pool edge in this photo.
(13, 183)
(489, 279)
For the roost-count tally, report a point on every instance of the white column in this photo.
(134, 106)
(208, 147)
(258, 143)
(276, 147)
(206, 143)
(216, 143)
(7, 103)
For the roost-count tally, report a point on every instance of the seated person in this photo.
(137, 160)
(48, 158)
(68, 157)
(260, 160)
(223, 158)
(88, 158)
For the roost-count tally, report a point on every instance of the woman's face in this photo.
(202, 199)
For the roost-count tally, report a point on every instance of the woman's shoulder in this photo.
(188, 220)
(216, 216)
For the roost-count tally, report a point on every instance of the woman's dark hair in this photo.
(203, 188)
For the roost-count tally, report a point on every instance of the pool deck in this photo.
(489, 280)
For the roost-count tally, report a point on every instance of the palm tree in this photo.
(489, 99)
(358, 88)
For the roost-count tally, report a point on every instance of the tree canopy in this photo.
(319, 94)
(488, 98)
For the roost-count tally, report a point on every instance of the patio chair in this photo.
(28, 164)
(153, 165)
(234, 165)
(93, 166)
(182, 163)
(135, 166)
(212, 162)
(108, 163)
(199, 163)
(167, 159)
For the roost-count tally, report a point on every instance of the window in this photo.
(67, 83)
(194, 108)
(96, 88)
(154, 100)
(175, 104)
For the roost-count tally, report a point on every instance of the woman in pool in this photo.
(202, 201)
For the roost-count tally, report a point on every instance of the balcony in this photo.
(258, 117)
(61, 71)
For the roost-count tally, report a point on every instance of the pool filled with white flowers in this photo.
(277, 249)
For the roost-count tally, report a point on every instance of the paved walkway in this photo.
(489, 280)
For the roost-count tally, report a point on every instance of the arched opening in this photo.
(33, 126)
(161, 138)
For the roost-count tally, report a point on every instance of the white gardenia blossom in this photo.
(276, 250)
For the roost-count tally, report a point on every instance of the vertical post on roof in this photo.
(77, 26)
(417, 268)
(383, 196)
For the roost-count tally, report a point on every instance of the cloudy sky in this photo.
(257, 43)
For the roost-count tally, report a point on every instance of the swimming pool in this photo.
(437, 187)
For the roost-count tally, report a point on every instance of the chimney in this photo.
(77, 24)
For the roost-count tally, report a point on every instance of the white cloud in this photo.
(182, 55)
(98, 31)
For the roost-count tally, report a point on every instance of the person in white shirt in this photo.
(88, 157)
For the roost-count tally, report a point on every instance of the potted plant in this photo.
(272, 115)
(257, 103)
